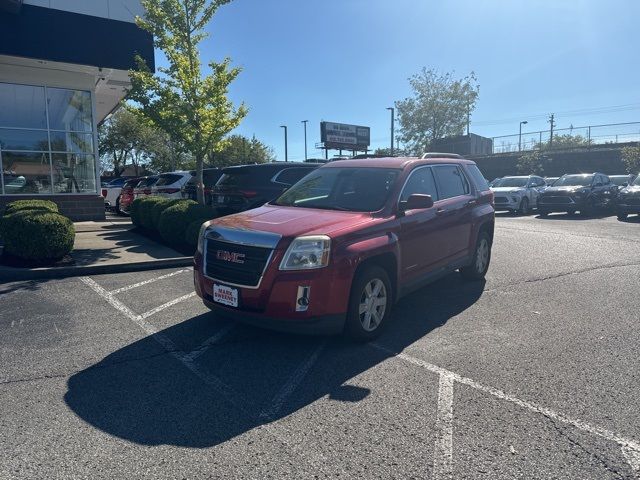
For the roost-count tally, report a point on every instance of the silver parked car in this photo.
(517, 194)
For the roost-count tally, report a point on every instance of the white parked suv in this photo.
(517, 194)
(169, 185)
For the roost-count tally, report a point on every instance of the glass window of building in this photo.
(46, 140)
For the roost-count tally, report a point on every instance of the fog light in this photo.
(302, 299)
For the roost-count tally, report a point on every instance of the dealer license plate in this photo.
(225, 295)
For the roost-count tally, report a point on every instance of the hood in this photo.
(294, 221)
(569, 188)
(631, 189)
(508, 189)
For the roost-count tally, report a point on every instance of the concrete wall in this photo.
(604, 160)
(76, 207)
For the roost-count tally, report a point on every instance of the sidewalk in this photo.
(105, 247)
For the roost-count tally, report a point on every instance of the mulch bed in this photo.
(185, 250)
(16, 262)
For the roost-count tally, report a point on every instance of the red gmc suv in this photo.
(336, 250)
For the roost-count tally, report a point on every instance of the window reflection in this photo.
(26, 172)
(22, 106)
(73, 173)
(69, 110)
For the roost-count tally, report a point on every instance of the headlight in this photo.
(203, 230)
(307, 253)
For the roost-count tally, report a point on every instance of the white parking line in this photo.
(146, 282)
(291, 385)
(204, 346)
(317, 460)
(159, 308)
(631, 448)
(443, 454)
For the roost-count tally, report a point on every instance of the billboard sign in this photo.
(344, 136)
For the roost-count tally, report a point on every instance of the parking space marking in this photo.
(164, 306)
(292, 384)
(204, 346)
(443, 453)
(225, 391)
(146, 282)
(631, 448)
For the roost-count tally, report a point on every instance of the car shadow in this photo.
(630, 219)
(142, 394)
(575, 216)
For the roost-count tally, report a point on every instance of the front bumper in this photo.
(503, 202)
(622, 207)
(273, 303)
(560, 204)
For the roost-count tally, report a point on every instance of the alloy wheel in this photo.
(373, 303)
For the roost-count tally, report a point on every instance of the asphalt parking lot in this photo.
(534, 373)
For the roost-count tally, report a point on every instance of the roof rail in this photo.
(441, 155)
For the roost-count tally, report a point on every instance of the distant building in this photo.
(465, 145)
(63, 68)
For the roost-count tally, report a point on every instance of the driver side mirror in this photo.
(416, 201)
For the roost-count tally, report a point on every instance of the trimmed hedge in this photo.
(159, 207)
(140, 211)
(191, 234)
(20, 205)
(175, 220)
(37, 234)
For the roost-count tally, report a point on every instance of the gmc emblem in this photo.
(230, 256)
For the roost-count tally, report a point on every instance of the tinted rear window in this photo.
(147, 182)
(478, 178)
(167, 179)
(236, 178)
(131, 183)
(290, 176)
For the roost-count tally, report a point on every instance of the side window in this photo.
(290, 176)
(451, 182)
(420, 181)
(478, 178)
(605, 180)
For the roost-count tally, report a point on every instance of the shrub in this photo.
(141, 211)
(37, 234)
(175, 220)
(159, 207)
(191, 234)
(19, 205)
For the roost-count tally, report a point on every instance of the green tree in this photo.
(532, 163)
(564, 141)
(187, 103)
(631, 159)
(397, 152)
(438, 108)
(238, 150)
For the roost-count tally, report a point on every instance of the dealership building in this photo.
(63, 69)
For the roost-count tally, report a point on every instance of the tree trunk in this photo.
(199, 181)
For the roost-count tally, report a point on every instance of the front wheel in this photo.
(622, 216)
(369, 304)
(543, 213)
(524, 207)
(479, 265)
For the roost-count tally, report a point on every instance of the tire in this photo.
(543, 213)
(622, 216)
(479, 265)
(361, 325)
(589, 208)
(571, 212)
(118, 211)
(524, 206)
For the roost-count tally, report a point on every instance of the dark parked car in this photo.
(628, 201)
(250, 186)
(209, 178)
(341, 246)
(621, 181)
(585, 193)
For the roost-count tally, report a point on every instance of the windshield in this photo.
(574, 181)
(619, 180)
(147, 182)
(636, 181)
(351, 189)
(512, 182)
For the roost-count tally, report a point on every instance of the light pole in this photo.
(392, 122)
(304, 122)
(520, 135)
(286, 153)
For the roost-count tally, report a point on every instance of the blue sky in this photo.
(347, 60)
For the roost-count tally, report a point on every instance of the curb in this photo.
(8, 274)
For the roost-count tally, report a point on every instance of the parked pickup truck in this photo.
(341, 246)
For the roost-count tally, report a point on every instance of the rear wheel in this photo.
(622, 216)
(369, 304)
(543, 213)
(118, 211)
(479, 265)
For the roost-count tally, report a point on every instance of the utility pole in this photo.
(524, 122)
(305, 139)
(392, 125)
(553, 124)
(286, 153)
(468, 117)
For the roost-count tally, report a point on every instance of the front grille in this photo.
(501, 200)
(554, 199)
(247, 273)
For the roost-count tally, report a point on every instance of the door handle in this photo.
(471, 202)
(440, 211)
